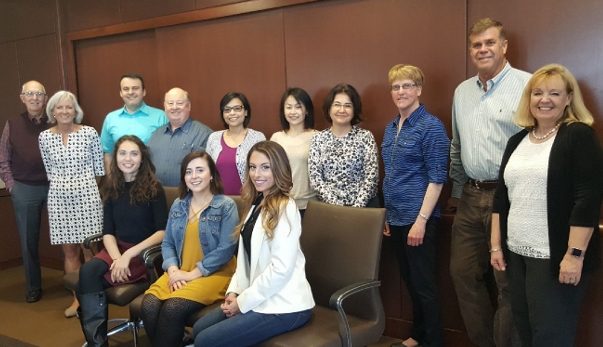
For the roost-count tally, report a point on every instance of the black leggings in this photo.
(164, 320)
(92, 278)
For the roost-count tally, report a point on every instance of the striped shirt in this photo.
(482, 123)
(412, 158)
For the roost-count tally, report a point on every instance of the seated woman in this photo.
(269, 294)
(228, 148)
(342, 163)
(198, 252)
(135, 214)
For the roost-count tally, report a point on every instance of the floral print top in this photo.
(344, 170)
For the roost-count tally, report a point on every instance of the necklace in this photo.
(545, 136)
(194, 213)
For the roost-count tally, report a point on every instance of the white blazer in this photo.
(274, 281)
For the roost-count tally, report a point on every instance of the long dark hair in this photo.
(145, 185)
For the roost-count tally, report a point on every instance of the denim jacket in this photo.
(216, 225)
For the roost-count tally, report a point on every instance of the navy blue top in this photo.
(412, 158)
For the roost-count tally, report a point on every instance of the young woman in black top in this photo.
(135, 215)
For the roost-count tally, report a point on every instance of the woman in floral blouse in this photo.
(343, 158)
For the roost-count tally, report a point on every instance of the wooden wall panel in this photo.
(39, 59)
(26, 18)
(243, 53)
(358, 41)
(141, 9)
(9, 87)
(79, 15)
(101, 63)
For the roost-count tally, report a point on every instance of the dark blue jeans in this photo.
(418, 270)
(244, 329)
(28, 201)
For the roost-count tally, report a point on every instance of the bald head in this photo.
(177, 107)
(33, 96)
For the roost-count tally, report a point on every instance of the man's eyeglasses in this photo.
(30, 94)
(238, 108)
(405, 86)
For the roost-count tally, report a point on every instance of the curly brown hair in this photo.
(146, 186)
(276, 198)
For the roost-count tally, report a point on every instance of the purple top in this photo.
(227, 166)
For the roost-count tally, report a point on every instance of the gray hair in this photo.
(56, 98)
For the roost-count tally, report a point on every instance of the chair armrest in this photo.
(336, 302)
(151, 257)
(90, 240)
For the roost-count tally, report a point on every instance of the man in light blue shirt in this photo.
(135, 118)
(170, 143)
(482, 122)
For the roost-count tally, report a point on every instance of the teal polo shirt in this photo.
(141, 123)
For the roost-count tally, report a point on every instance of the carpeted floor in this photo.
(42, 323)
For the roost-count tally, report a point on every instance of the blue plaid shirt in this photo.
(413, 158)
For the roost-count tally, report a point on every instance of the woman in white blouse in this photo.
(546, 208)
(269, 293)
(343, 158)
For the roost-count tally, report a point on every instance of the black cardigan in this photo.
(574, 186)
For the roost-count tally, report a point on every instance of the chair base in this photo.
(121, 325)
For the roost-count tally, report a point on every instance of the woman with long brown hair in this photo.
(135, 215)
(269, 293)
(198, 252)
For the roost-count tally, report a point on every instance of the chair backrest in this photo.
(342, 245)
(171, 193)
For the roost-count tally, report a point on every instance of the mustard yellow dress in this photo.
(205, 290)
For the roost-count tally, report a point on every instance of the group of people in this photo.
(525, 166)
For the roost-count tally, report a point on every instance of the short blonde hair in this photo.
(576, 111)
(402, 71)
(60, 96)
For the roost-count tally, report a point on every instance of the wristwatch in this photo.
(576, 252)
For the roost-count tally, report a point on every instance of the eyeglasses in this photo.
(30, 94)
(238, 108)
(405, 86)
(346, 106)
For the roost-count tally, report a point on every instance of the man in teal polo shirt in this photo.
(135, 118)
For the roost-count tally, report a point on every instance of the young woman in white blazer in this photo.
(269, 293)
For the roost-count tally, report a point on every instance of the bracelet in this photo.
(422, 215)
(494, 250)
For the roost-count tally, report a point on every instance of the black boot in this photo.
(93, 313)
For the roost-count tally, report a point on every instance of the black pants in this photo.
(92, 278)
(545, 311)
(418, 270)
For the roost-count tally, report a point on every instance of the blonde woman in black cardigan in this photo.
(546, 208)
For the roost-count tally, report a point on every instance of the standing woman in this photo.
(135, 214)
(73, 157)
(198, 252)
(269, 294)
(415, 159)
(297, 120)
(546, 208)
(343, 158)
(228, 148)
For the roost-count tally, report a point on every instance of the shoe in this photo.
(71, 311)
(33, 295)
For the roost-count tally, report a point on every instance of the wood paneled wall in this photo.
(260, 47)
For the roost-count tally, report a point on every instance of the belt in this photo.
(483, 185)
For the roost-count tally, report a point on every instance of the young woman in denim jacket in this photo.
(198, 252)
